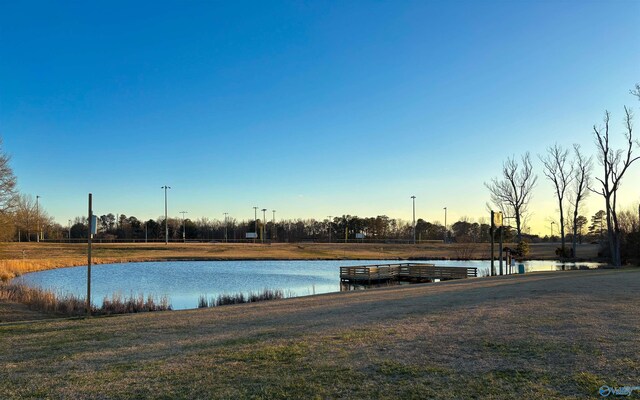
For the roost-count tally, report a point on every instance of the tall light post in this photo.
(184, 228)
(255, 222)
(552, 223)
(225, 226)
(69, 231)
(273, 226)
(446, 233)
(166, 218)
(264, 222)
(37, 220)
(329, 216)
(414, 218)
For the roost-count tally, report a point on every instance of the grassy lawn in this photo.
(543, 335)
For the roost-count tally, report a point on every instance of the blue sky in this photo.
(309, 108)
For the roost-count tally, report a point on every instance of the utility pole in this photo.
(69, 231)
(225, 227)
(414, 218)
(446, 233)
(255, 222)
(329, 216)
(491, 232)
(37, 220)
(184, 228)
(89, 237)
(166, 218)
(264, 223)
(273, 226)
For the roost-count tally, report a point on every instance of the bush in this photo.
(522, 249)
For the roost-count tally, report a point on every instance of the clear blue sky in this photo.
(310, 108)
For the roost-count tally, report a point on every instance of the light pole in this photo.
(69, 231)
(166, 220)
(413, 198)
(552, 222)
(225, 226)
(273, 226)
(37, 220)
(445, 225)
(329, 216)
(264, 222)
(255, 222)
(184, 228)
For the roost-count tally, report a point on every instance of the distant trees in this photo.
(512, 193)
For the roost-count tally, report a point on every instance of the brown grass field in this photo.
(557, 335)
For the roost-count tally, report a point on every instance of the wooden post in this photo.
(89, 258)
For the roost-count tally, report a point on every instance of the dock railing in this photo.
(405, 271)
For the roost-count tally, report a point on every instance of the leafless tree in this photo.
(615, 164)
(7, 183)
(636, 91)
(582, 181)
(512, 193)
(559, 170)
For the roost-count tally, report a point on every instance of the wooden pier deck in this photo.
(404, 272)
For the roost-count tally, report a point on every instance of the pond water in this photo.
(185, 281)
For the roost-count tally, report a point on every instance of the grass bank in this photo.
(554, 335)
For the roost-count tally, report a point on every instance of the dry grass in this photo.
(20, 258)
(546, 335)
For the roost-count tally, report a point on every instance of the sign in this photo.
(251, 235)
(94, 225)
(359, 235)
(497, 219)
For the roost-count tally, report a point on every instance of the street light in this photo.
(184, 228)
(273, 226)
(37, 220)
(264, 222)
(255, 222)
(446, 233)
(329, 216)
(413, 198)
(166, 220)
(552, 222)
(225, 227)
(69, 231)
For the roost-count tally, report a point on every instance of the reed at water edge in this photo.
(239, 298)
(69, 305)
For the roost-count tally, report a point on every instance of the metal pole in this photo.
(69, 231)
(255, 222)
(264, 222)
(225, 227)
(414, 218)
(184, 228)
(329, 216)
(146, 232)
(446, 233)
(89, 256)
(491, 231)
(166, 218)
(501, 236)
(37, 220)
(273, 226)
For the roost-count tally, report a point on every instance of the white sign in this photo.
(251, 235)
(359, 235)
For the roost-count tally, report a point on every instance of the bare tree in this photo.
(7, 183)
(512, 193)
(582, 181)
(559, 170)
(636, 92)
(614, 163)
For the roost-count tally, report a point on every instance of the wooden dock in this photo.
(412, 272)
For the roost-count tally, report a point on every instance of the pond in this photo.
(183, 282)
